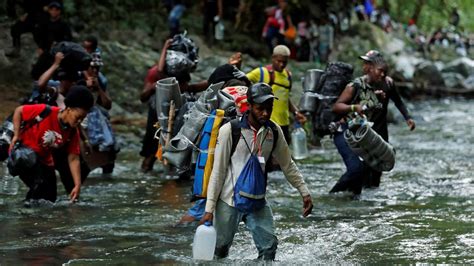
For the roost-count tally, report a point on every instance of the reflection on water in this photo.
(423, 211)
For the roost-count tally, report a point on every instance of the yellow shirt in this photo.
(281, 90)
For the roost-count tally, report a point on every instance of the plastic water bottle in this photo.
(299, 142)
(219, 31)
(204, 243)
(8, 184)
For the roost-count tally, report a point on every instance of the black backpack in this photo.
(337, 75)
(76, 58)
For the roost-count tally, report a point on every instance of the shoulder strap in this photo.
(275, 135)
(262, 74)
(268, 164)
(271, 73)
(289, 78)
(27, 124)
(358, 84)
(235, 131)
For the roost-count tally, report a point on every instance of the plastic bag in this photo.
(21, 159)
(178, 63)
(99, 130)
(181, 43)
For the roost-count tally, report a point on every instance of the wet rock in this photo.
(463, 66)
(469, 83)
(453, 80)
(394, 46)
(405, 65)
(427, 72)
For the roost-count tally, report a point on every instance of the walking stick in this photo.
(170, 127)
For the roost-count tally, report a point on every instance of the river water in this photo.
(422, 213)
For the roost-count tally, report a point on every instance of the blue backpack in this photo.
(251, 186)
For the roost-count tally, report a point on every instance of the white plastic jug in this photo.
(204, 243)
(299, 143)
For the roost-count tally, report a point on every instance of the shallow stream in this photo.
(423, 211)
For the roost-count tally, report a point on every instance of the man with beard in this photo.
(258, 137)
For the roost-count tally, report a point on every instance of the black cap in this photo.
(225, 73)
(371, 56)
(259, 93)
(79, 97)
(55, 4)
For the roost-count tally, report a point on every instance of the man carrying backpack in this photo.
(279, 78)
(367, 95)
(237, 184)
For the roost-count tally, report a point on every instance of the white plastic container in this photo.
(8, 184)
(204, 243)
(219, 31)
(299, 143)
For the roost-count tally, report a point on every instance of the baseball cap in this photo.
(259, 93)
(55, 4)
(371, 56)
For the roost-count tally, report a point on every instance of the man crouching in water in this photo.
(258, 137)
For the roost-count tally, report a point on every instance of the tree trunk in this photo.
(418, 6)
(386, 5)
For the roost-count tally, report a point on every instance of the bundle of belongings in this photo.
(187, 133)
(188, 130)
(368, 145)
(182, 56)
(321, 90)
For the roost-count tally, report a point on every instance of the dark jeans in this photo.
(62, 165)
(150, 144)
(41, 181)
(373, 179)
(259, 223)
(352, 179)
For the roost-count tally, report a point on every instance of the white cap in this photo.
(281, 50)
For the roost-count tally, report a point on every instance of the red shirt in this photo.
(152, 74)
(48, 134)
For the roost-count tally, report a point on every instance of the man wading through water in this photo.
(257, 137)
(367, 95)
